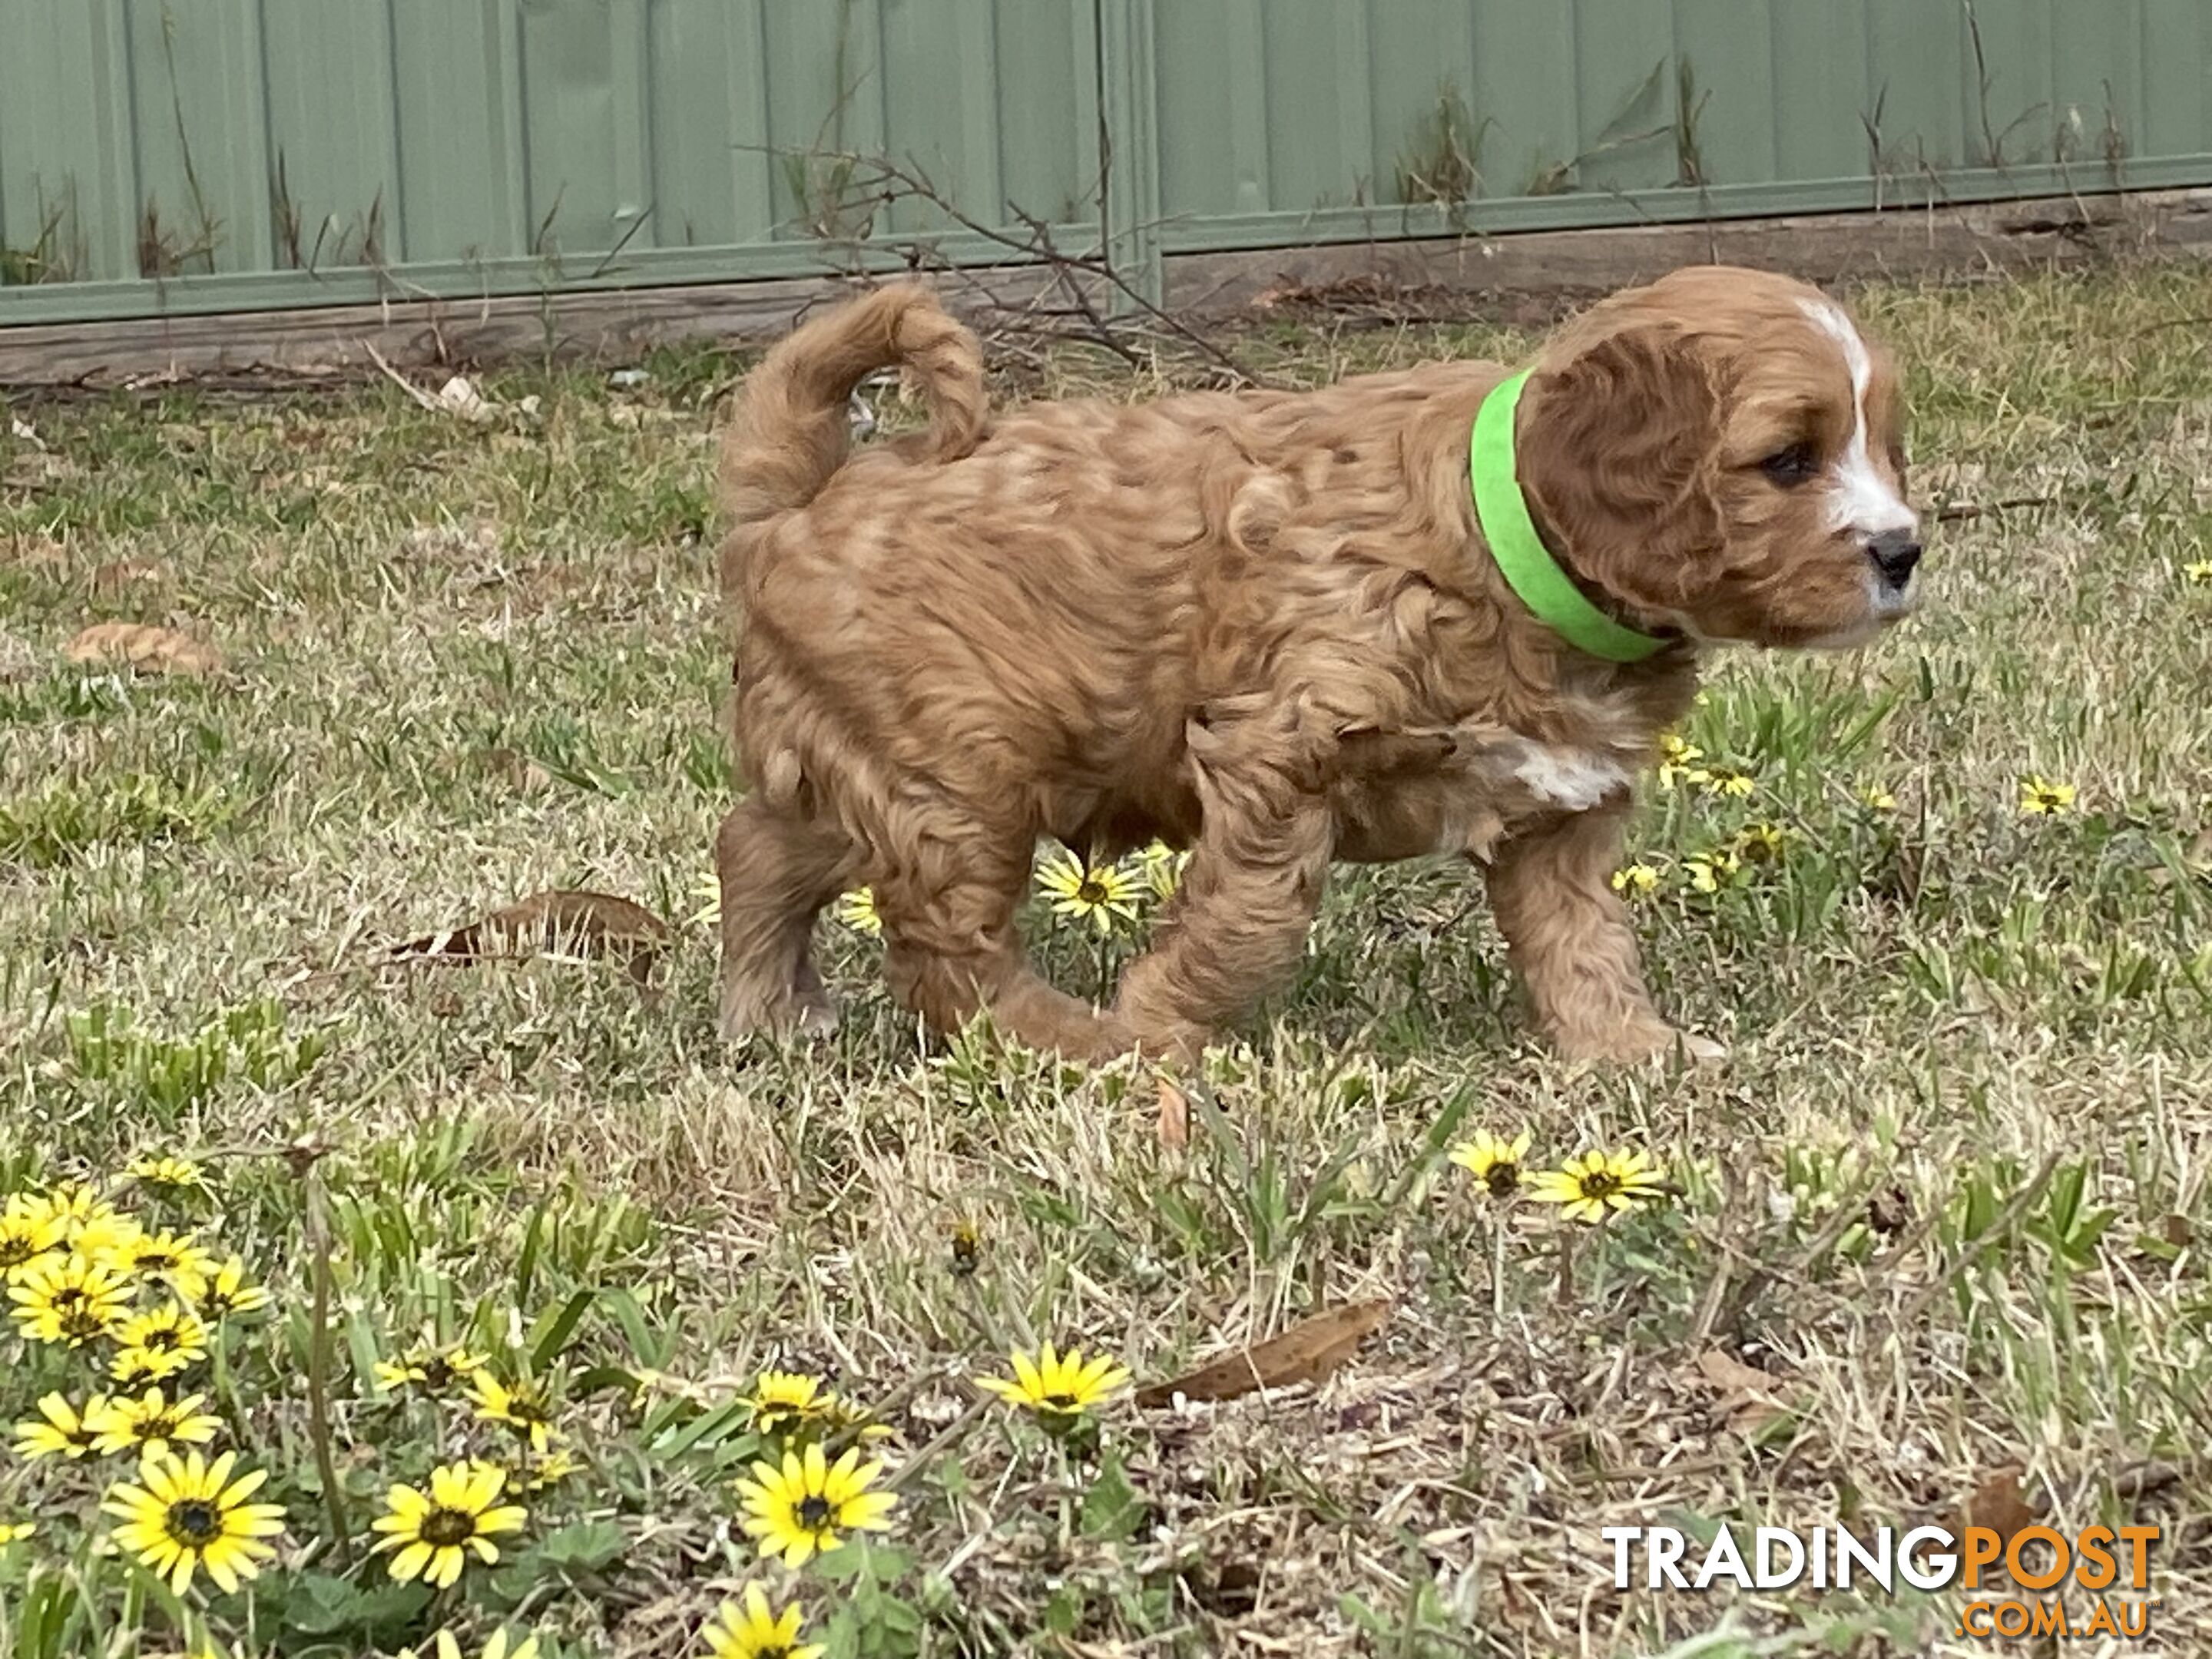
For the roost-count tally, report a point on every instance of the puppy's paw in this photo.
(1639, 1044)
(798, 1016)
(1702, 1050)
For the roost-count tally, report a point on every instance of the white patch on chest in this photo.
(1575, 780)
(1860, 500)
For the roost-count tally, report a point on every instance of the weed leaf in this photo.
(1309, 1351)
(149, 649)
(557, 923)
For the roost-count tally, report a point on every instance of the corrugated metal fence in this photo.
(173, 156)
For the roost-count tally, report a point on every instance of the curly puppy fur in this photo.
(1265, 626)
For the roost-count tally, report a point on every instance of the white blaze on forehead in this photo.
(1860, 499)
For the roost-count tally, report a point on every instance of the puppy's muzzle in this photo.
(1895, 554)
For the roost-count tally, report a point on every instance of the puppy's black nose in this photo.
(1895, 552)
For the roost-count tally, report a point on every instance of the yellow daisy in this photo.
(2041, 797)
(1637, 880)
(1727, 781)
(1496, 1162)
(221, 1290)
(66, 1431)
(147, 1424)
(69, 1299)
(1760, 843)
(75, 1202)
(526, 1407)
(133, 1370)
(1876, 799)
(758, 1632)
(1598, 1183)
(170, 1257)
(1101, 894)
(857, 910)
(783, 1402)
(1678, 762)
(1055, 1385)
(29, 1238)
(173, 1173)
(167, 1330)
(797, 1510)
(190, 1513)
(435, 1531)
(2198, 571)
(1161, 867)
(433, 1370)
(1709, 872)
(536, 1471)
(107, 1235)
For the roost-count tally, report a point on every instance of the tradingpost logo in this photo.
(2041, 1582)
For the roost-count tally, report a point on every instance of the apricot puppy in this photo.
(1279, 629)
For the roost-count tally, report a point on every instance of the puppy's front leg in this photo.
(1247, 901)
(1568, 935)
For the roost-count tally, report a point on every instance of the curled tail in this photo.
(791, 429)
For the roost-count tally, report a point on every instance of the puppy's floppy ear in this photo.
(1616, 451)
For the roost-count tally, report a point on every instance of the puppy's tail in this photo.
(791, 429)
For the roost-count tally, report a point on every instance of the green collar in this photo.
(1522, 559)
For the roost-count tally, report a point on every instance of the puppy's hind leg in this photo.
(951, 949)
(777, 870)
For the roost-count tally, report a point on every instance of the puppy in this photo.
(1275, 627)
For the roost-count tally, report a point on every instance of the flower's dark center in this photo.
(82, 1324)
(1060, 1401)
(444, 1528)
(160, 1426)
(15, 1251)
(195, 1523)
(154, 1262)
(1090, 890)
(434, 1373)
(67, 1296)
(1600, 1183)
(814, 1512)
(163, 1339)
(80, 1437)
(1503, 1177)
(215, 1302)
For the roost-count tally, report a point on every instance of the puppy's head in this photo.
(1721, 453)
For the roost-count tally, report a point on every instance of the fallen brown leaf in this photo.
(1889, 1212)
(1309, 1351)
(145, 648)
(559, 922)
(518, 771)
(1999, 1504)
(1749, 1397)
(118, 576)
(1174, 1117)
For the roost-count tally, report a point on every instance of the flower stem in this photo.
(317, 1222)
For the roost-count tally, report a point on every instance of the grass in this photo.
(1949, 1197)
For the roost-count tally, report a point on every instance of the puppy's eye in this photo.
(1790, 467)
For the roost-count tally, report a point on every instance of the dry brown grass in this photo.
(466, 662)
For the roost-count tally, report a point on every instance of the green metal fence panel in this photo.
(1289, 122)
(206, 155)
(210, 154)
